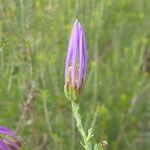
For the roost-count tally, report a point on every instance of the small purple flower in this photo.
(8, 139)
(76, 61)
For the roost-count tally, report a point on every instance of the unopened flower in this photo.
(9, 140)
(76, 63)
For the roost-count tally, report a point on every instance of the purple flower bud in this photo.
(76, 62)
(8, 139)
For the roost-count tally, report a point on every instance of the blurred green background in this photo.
(34, 36)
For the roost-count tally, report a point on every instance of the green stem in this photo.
(86, 138)
(75, 111)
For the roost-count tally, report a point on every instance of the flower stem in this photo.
(75, 111)
(86, 138)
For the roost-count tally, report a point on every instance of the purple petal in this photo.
(11, 143)
(69, 54)
(4, 146)
(83, 59)
(9, 133)
(75, 47)
(4, 128)
(84, 53)
(81, 63)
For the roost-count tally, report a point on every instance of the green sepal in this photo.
(71, 94)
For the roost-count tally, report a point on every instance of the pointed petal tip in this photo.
(77, 21)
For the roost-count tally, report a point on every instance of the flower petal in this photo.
(4, 128)
(4, 146)
(11, 143)
(75, 48)
(9, 133)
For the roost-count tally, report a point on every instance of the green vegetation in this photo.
(34, 37)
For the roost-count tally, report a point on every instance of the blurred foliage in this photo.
(33, 46)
